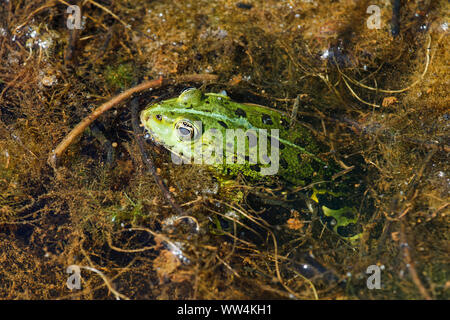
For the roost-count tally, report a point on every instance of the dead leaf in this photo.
(388, 101)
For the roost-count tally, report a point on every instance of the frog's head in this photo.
(169, 123)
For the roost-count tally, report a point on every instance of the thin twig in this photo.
(148, 161)
(108, 283)
(294, 111)
(80, 127)
(109, 12)
(410, 262)
(263, 224)
(160, 237)
(428, 49)
(45, 6)
(404, 245)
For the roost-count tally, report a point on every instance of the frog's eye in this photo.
(158, 117)
(187, 90)
(185, 130)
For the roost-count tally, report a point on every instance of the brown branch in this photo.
(62, 146)
(405, 247)
(410, 262)
(80, 127)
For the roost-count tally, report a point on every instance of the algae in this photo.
(378, 102)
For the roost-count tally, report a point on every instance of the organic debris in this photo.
(376, 97)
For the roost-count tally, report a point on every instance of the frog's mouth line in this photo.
(150, 135)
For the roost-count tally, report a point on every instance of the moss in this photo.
(131, 213)
(119, 76)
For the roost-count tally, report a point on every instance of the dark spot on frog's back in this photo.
(266, 119)
(284, 123)
(240, 113)
(223, 124)
(283, 163)
(299, 142)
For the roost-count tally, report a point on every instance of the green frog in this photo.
(253, 140)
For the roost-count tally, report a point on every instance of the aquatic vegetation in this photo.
(376, 104)
(120, 76)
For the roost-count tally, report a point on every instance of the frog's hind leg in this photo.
(336, 214)
(328, 207)
(279, 207)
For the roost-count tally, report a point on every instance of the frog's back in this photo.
(179, 124)
(297, 158)
(298, 149)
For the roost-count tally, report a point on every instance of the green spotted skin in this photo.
(299, 153)
(299, 161)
